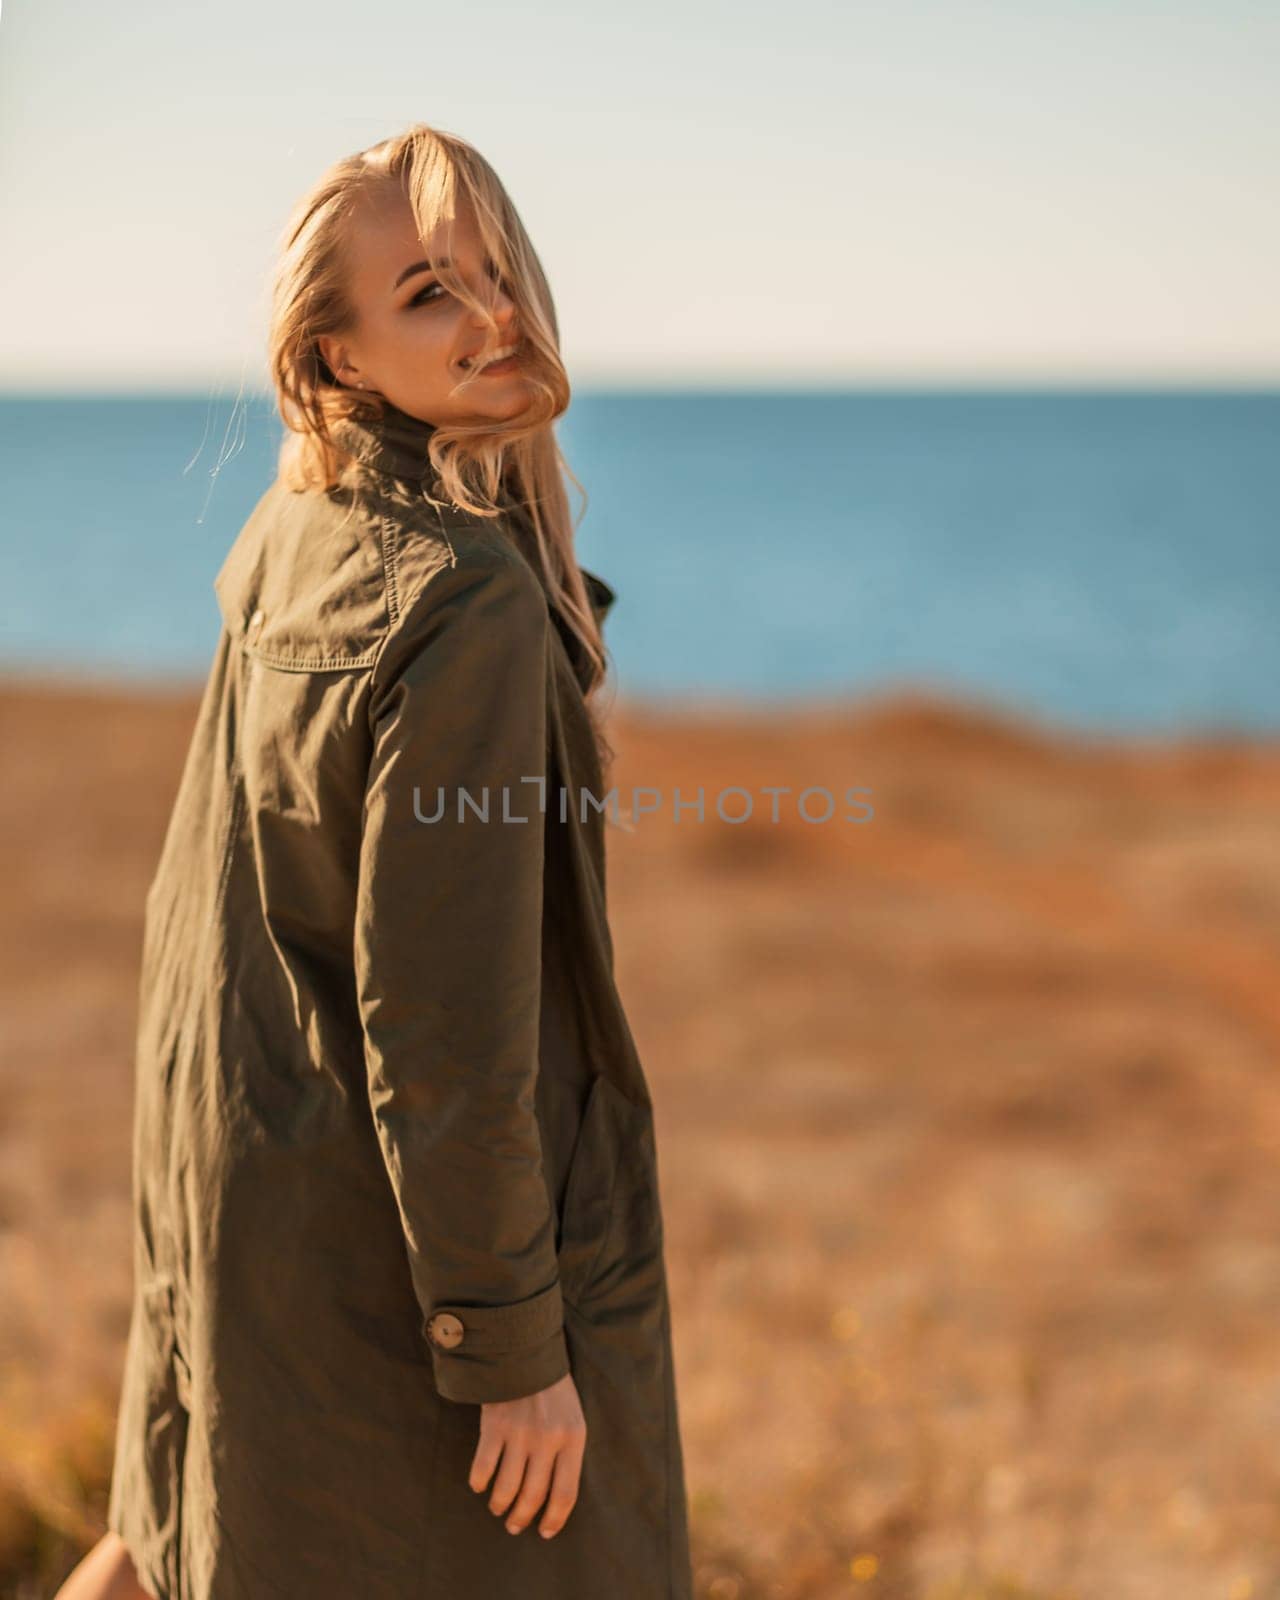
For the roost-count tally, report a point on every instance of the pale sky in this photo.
(734, 193)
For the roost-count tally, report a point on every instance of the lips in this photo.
(503, 353)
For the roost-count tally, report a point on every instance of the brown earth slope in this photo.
(968, 1122)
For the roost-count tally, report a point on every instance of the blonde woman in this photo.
(400, 1321)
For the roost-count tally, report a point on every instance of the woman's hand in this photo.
(541, 1438)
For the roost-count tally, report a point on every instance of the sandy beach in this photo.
(968, 1122)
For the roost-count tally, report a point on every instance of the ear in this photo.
(338, 358)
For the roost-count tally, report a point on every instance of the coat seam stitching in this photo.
(228, 841)
(390, 571)
(374, 659)
(311, 663)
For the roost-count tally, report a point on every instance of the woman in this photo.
(399, 1280)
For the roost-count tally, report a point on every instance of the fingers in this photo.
(532, 1462)
(508, 1444)
(487, 1453)
(533, 1491)
(565, 1478)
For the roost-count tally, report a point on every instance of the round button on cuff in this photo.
(445, 1329)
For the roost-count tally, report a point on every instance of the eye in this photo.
(432, 291)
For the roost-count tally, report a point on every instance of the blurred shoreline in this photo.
(1101, 558)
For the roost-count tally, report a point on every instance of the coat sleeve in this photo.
(448, 956)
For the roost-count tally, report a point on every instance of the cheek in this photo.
(426, 348)
(417, 338)
(431, 330)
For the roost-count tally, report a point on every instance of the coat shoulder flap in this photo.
(304, 585)
(316, 581)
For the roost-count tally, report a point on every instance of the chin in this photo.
(512, 400)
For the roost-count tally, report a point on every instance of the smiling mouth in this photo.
(505, 357)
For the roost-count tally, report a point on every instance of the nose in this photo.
(503, 310)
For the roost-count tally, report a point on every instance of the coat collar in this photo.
(395, 444)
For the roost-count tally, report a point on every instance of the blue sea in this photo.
(1105, 561)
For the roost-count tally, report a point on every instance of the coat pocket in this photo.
(610, 1246)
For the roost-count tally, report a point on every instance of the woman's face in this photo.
(412, 341)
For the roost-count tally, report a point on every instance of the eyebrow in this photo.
(418, 266)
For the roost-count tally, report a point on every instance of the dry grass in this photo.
(968, 1121)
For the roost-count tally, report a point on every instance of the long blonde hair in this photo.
(477, 465)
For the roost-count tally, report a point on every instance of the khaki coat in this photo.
(393, 1144)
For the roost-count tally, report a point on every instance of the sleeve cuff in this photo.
(486, 1353)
